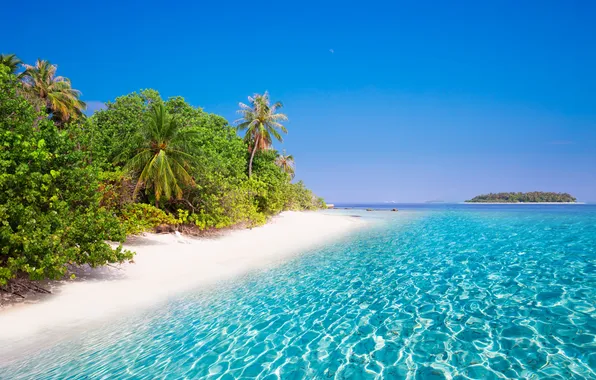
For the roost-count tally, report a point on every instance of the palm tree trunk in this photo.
(252, 155)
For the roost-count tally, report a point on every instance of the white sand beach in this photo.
(166, 265)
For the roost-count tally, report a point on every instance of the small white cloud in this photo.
(331, 51)
(94, 105)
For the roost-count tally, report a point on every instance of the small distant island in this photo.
(531, 197)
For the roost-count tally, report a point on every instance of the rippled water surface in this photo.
(431, 294)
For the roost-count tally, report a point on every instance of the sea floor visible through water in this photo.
(460, 292)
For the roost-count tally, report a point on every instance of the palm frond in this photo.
(11, 61)
(286, 163)
(62, 101)
(261, 123)
(163, 163)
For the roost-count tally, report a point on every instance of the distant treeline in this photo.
(531, 197)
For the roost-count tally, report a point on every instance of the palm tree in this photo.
(162, 161)
(286, 163)
(261, 121)
(11, 61)
(55, 93)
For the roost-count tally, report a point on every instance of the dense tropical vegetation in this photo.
(531, 197)
(69, 183)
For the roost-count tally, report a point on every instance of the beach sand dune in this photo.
(166, 265)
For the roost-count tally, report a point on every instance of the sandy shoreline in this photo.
(166, 265)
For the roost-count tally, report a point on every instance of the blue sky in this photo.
(405, 101)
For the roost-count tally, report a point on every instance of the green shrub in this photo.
(50, 212)
(141, 217)
(116, 189)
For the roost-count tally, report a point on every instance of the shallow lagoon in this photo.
(441, 291)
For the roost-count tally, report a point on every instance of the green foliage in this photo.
(271, 183)
(141, 217)
(50, 213)
(531, 197)
(113, 135)
(275, 192)
(116, 189)
(221, 202)
(221, 196)
(162, 162)
(300, 198)
(286, 163)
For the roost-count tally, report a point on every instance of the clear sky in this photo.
(406, 101)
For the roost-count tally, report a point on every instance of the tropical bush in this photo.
(139, 217)
(50, 212)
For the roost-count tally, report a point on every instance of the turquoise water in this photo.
(457, 293)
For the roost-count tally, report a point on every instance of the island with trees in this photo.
(71, 182)
(518, 197)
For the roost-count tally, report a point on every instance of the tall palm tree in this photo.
(11, 61)
(55, 93)
(262, 123)
(162, 161)
(286, 163)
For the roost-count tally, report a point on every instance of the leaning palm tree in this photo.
(162, 163)
(286, 163)
(55, 93)
(11, 61)
(261, 121)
